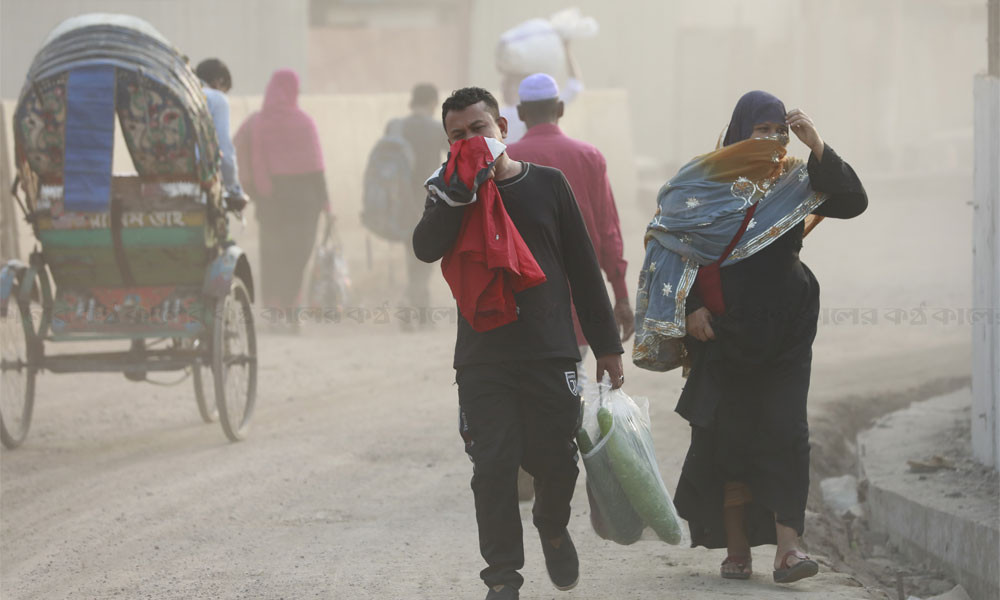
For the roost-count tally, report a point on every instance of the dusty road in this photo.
(353, 482)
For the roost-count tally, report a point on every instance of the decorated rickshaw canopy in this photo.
(91, 68)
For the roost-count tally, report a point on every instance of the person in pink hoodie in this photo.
(281, 167)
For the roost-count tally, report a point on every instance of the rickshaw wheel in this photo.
(209, 413)
(17, 390)
(234, 360)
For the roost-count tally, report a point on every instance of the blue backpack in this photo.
(387, 202)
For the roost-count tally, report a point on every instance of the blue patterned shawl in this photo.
(699, 212)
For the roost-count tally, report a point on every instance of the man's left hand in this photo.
(612, 365)
(625, 318)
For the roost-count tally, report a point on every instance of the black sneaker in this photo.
(561, 561)
(502, 592)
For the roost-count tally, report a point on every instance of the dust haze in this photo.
(352, 482)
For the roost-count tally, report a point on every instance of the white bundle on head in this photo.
(532, 47)
(538, 45)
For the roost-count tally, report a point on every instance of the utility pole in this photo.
(985, 316)
(9, 216)
(993, 37)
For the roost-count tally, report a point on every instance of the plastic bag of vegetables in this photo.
(624, 486)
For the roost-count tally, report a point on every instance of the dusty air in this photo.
(463, 299)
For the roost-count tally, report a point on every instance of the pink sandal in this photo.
(806, 567)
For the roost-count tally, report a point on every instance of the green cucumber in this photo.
(611, 514)
(583, 441)
(622, 526)
(605, 420)
(641, 485)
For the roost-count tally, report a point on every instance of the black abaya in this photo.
(745, 396)
(288, 219)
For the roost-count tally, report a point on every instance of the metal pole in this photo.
(993, 37)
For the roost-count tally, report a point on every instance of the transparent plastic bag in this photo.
(624, 486)
(329, 280)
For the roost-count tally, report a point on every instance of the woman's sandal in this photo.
(745, 564)
(806, 567)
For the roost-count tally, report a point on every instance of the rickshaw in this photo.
(142, 258)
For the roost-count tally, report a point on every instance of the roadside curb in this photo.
(935, 516)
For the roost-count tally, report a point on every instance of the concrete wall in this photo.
(254, 37)
(351, 124)
(986, 273)
(920, 513)
(401, 43)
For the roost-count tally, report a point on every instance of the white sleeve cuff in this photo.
(438, 194)
(496, 148)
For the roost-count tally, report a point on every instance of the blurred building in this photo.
(372, 46)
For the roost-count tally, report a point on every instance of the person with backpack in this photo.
(423, 133)
(282, 168)
(411, 147)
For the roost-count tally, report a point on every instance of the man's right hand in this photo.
(699, 325)
(235, 201)
(455, 189)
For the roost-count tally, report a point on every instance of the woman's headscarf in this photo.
(282, 138)
(753, 109)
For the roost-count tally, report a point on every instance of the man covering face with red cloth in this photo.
(512, 237)
(489, 261)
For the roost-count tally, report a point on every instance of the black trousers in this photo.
(523, 413)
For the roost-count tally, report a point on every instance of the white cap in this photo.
(538, 87)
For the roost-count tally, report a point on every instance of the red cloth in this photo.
(283, 139)
(586, 170)
(489, 261)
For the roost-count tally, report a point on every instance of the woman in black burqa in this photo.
(746, 475)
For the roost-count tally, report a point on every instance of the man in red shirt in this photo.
(585, 169)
